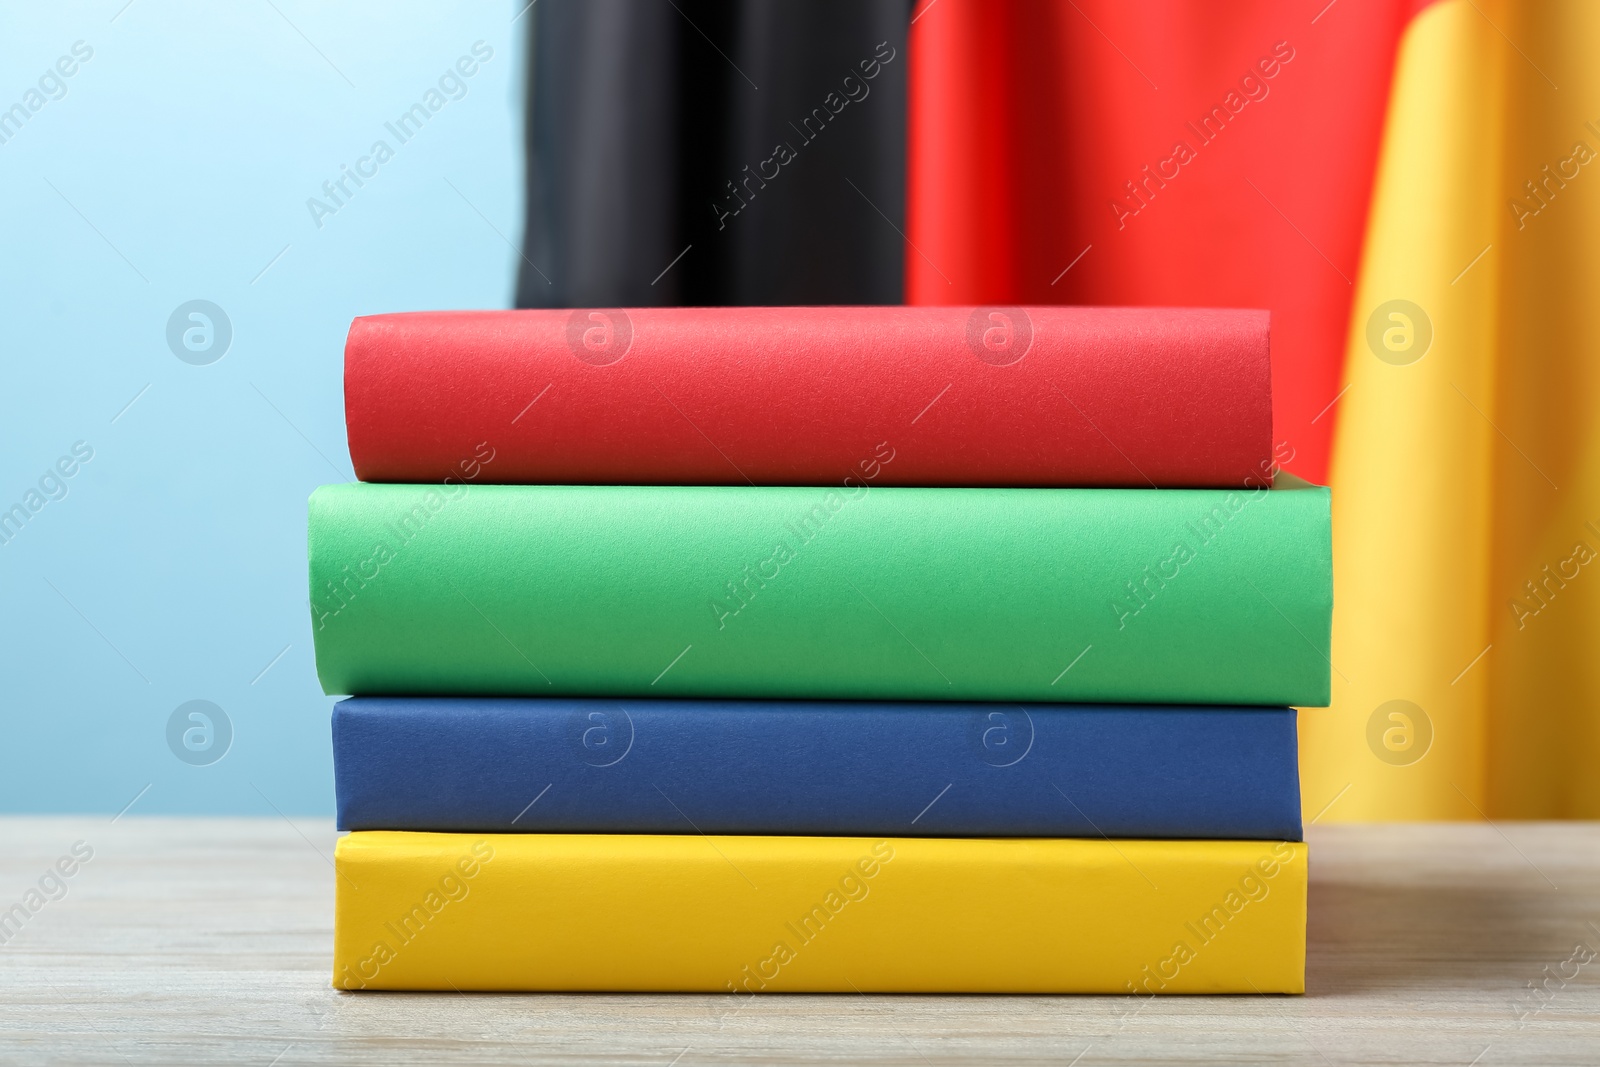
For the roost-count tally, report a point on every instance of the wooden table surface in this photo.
(208, 940)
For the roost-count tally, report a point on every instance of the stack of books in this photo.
(819, 649)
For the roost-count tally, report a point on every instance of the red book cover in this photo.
(933, 396)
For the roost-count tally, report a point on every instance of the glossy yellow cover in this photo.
(742, 915)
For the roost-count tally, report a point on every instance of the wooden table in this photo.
(207, 940)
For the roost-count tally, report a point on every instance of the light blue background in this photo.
(191, 142)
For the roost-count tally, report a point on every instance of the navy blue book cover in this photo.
(578, 765)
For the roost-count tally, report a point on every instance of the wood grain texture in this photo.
(208, 940)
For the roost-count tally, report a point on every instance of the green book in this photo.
(1105, 595)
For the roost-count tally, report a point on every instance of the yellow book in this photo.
(744, 915)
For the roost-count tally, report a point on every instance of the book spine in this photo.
(554, 765)
(746, 915)
(1041, 396)
(1122, 596)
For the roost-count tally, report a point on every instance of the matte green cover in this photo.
(1108, 595)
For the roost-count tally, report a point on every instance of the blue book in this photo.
(826, 768)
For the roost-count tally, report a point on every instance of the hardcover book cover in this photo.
(957, 396)
(824, 768)
(744, 915)
(1178, 596)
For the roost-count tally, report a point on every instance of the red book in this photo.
(946, 396)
